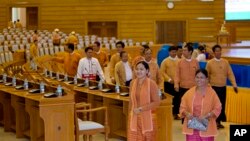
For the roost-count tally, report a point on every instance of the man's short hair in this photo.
(88, 48)
(97, 43)
(172, 48)
(71, 46)
(216, 46)
(121, 43)
(189, 47)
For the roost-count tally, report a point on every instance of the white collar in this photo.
(189, 60)
(217, 59)
(171, 58)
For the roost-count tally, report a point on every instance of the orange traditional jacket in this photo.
(185, 73)
(210, 103)
(149, 101)
(70, 62)
(102, 57)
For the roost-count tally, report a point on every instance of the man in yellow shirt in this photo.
(72, 39)
(168, 69)
(56, 37)
(33, 53)
(101, 56)
(19, 24)
(219, 70)
(123, 70)
(115, 58)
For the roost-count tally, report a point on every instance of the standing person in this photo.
(70, 60)
(168, 69)
(201, 57)
(89, 67)
(101, 56)
(115, 58)
(56, 37)
(219, 70)
(201, 102)
(35, 36)
(141, 56)
(10, 24)
(123, 70)
(179, 52)
(19, 24)
(144, 100)
(33, 53)
(185, 72)
(72, 39)
(154, 71)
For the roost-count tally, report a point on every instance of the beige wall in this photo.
(136, 18)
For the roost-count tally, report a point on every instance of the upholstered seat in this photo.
(86, 126)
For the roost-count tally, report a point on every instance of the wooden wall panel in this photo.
(136, 18)
(3, 17)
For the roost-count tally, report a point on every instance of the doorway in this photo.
(103, 29)
(170, 31)
(28, 16)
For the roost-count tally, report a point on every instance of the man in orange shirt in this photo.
(185, 72)
(219, 70)
(101, 56)
(70, 60)
(56, 37)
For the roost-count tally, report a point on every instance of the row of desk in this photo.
(50, 119)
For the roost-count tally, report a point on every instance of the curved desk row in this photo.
(50, 119)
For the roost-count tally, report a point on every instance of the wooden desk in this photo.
(118, 112)
(37, 117)
(53, 119)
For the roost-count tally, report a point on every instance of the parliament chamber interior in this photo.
(44, 98)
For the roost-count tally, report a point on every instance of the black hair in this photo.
(145, 64)
(179, 47)
(201, 48)
(203, 71)
(172, 48)
(97, 43)
(121, 43)
(88, 48)
(216, 46)
(122, 52)
(189, 46)
(145, 46)
(71, 46)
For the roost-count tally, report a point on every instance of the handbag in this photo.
(197, 124)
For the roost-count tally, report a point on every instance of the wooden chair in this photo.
(86, 126)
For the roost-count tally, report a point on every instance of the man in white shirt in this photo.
(123, 70)
(89, 67)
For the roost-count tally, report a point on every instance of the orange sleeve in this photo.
(155, 99)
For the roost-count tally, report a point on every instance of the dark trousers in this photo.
(169, 88)
(181, 92)
(221, 92)
(127, 83)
